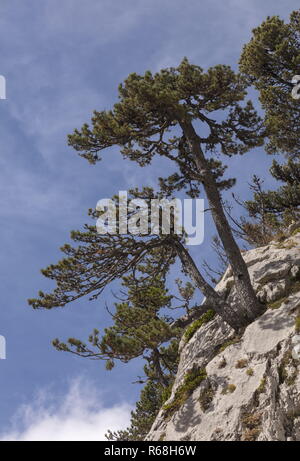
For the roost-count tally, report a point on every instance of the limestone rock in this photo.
(252, 386)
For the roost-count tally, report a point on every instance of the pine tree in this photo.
(274, 210)
(141, 327)
(142, 418)
(145, 123)
(270, 61)
(142, 123)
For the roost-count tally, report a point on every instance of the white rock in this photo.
(295, 271)
(296, 352)
(296, 339)
(254, 386)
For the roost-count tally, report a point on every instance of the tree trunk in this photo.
(236, 319)
(250, 307)
(159, 373)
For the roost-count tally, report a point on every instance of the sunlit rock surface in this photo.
(252, 386)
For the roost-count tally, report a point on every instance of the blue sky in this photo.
(61, 60)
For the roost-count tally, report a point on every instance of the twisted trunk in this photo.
(250, 308)
(236, 320)
(159, 373)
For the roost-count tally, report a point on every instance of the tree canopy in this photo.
(197, 120)
(270, 61)
(154, 117)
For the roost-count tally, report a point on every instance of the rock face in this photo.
(243, 388)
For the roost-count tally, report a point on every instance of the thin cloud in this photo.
(80, 415)
(211, 32)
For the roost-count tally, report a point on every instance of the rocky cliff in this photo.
(246, 387)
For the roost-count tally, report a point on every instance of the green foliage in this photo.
(273, 211)
(287, 370)
(287, 245)
(187, 292)
(262, 386)
(166, 392)
(269, 61)
(150, 105)
(192, 380)
(277, 304)
(140, 328)
(101, 258)
(143, 416)
(206, 397)
(205, 318)
(230, 388)
(295, 231)
(228, 343)
(250, 372)
(153, 118)
(295, 286)
(297, 324)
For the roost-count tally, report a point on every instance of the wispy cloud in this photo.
(80, 415)
(211, 32)
(61, 60)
